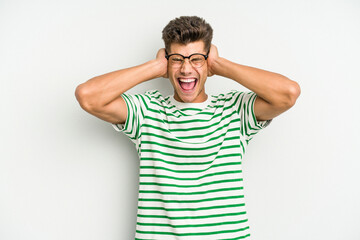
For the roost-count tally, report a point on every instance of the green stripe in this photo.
(126, 99)
(229, 155)
(242, 146)
(160, 136)
(117, 127)
(192, 209)
(237, 238)
(164, 104)
(178, 155)
(174, 113)
(192, 148)
(175, 163)
(165, 120)
(192, 217)
(190, 129)
(189, 156)
(133, 106)
(193, 136)
(189, 201)
(251, 114)
(194, 234)
(191, 179)
(187, 186)
(241, 101)
(191, 225)
(189, 121)
(210, 133)
(192, 171)
(191, 193)
(177, 113)
(191, 109)
(183, 121)
(144, 102)
(173, 139)
(132, 113)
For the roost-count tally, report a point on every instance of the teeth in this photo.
(187, 80)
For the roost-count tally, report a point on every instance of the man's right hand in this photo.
(101, 95)
(160, 58)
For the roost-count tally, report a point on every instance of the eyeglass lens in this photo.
(196, 60)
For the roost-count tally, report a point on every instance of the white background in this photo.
(65, 174)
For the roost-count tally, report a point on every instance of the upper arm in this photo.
(114, 112)
(266, 111)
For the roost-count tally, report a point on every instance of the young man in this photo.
(190, 144)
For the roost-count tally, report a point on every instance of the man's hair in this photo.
(187, 29)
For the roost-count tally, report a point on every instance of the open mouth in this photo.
(187, 84)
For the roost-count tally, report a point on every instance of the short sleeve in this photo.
(136, 107)
(245, 107)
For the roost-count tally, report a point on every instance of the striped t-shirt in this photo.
(191, 181)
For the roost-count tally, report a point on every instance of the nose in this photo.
(186, 67)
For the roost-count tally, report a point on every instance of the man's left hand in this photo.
(212, 58)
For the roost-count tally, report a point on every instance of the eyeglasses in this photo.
(196, 59)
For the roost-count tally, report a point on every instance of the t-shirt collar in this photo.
(182, 105)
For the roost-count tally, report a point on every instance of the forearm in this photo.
(272, 87)
(104, 89)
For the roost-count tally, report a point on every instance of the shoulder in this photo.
(224, 96)
(231, 96)
(147, 97)
(154, 96)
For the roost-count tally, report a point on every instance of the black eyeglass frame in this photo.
(167, 56)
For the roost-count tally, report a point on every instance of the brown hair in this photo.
(187, 29)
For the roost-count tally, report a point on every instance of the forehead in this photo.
(188, 49)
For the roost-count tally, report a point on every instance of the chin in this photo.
(188, 98)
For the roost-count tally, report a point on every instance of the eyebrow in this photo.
(166, 52)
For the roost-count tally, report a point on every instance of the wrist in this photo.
(160, 67)
(156, 68)
(217, 66)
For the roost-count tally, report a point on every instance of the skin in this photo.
(101, 95)
(187, 71)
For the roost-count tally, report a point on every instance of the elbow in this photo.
(292, 93)
(287, 95)
(82, 95)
